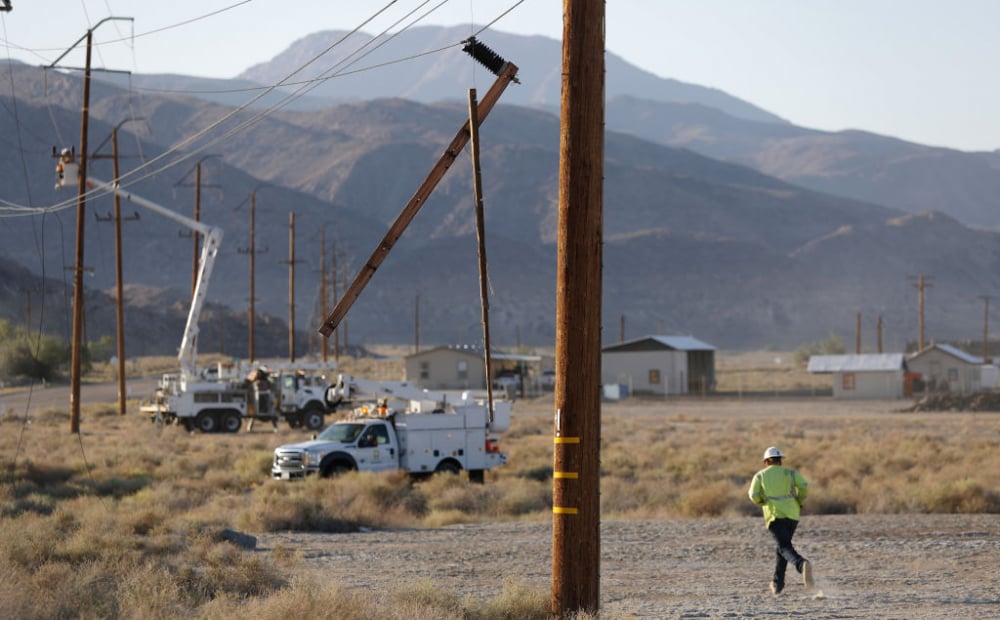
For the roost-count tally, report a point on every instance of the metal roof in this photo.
(865, 362)
(677, 343)
(952, 351)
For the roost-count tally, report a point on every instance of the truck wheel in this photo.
(477, 476)
(206, 422)
(336, 468)
(450, 467)
(313, 418)
(231, 422)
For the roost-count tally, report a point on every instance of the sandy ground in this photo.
(900, 566)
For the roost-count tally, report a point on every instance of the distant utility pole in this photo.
(878, 328)
(416, 323)
(577, 420)
(857, 333)
(291, 286)
(322, 289)
(252, 251)
(81, 212)
(119, 277)
(921, 282)
(621, 328)
(197, 217)
(986, 328)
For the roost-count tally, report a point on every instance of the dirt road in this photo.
(867, 566)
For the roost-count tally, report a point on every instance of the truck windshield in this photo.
(346, 432)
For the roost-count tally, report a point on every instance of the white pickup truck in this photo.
(418, 443)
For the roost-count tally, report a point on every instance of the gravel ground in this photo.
(866, 566)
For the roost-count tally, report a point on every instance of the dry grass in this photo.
(126, 520)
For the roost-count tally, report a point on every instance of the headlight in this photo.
(306, 459)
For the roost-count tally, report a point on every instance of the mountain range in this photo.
(721, 220)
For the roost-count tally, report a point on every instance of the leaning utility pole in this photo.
(577, 423)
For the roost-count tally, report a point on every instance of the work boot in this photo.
(776, 588)
(807, 574)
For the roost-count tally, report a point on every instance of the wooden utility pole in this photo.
(351, 293)
(577, 422)
(252, 251)
(119, 275)
(857, 333)
(322, 288)
(194, 233)
(878, 328)
(621, 328)
(81, 212)
(921, 282)
(336, 282)
(416, 323)
(986, 328)
(484, 300)
(291, 286)
(119, 294)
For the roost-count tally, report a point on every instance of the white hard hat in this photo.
(773, 453)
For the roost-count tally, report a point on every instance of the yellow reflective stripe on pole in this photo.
(566, 440)
(559, 510)
(565, 474)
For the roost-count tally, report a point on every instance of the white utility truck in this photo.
(438, 432)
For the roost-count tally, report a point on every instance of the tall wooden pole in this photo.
(336, 299)
(322, 288)
(194, 233)
(484, 299)
(577, 431)
(291, 286)
(81, 212)
(857, 333)
(416, 323)
(119, 295)
(986, 329)
(253, 254)
(878, 328)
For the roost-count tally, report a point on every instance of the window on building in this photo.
(463, 369)
(952, 374)
(654, 376)
(847, 381)
(425, 370)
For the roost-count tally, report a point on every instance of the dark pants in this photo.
(783, 530)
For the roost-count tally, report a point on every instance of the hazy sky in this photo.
(921, 70)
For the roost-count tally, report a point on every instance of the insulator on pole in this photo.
(485, 56)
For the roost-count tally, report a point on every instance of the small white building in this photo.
(664, 365)
(464, 368)
(860, 376)
(948, 369)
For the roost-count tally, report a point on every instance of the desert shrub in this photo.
(424, 599)
(303, 600)
(516, 600)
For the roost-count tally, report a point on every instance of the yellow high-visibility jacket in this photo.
(779, 491)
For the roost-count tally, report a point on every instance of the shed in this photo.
(948, 369)
(660, 365)
(871, 375)
(463, 367)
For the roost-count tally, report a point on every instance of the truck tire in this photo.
(231, 421)
(336, 468)
(312, 417)
(448, 466)
(206, 422)
(477, 476)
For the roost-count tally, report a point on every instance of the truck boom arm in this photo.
(188, 352)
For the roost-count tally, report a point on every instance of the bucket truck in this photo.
(438, 431)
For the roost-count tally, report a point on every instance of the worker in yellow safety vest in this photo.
(780, 491)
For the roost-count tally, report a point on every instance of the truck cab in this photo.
(361, 444)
